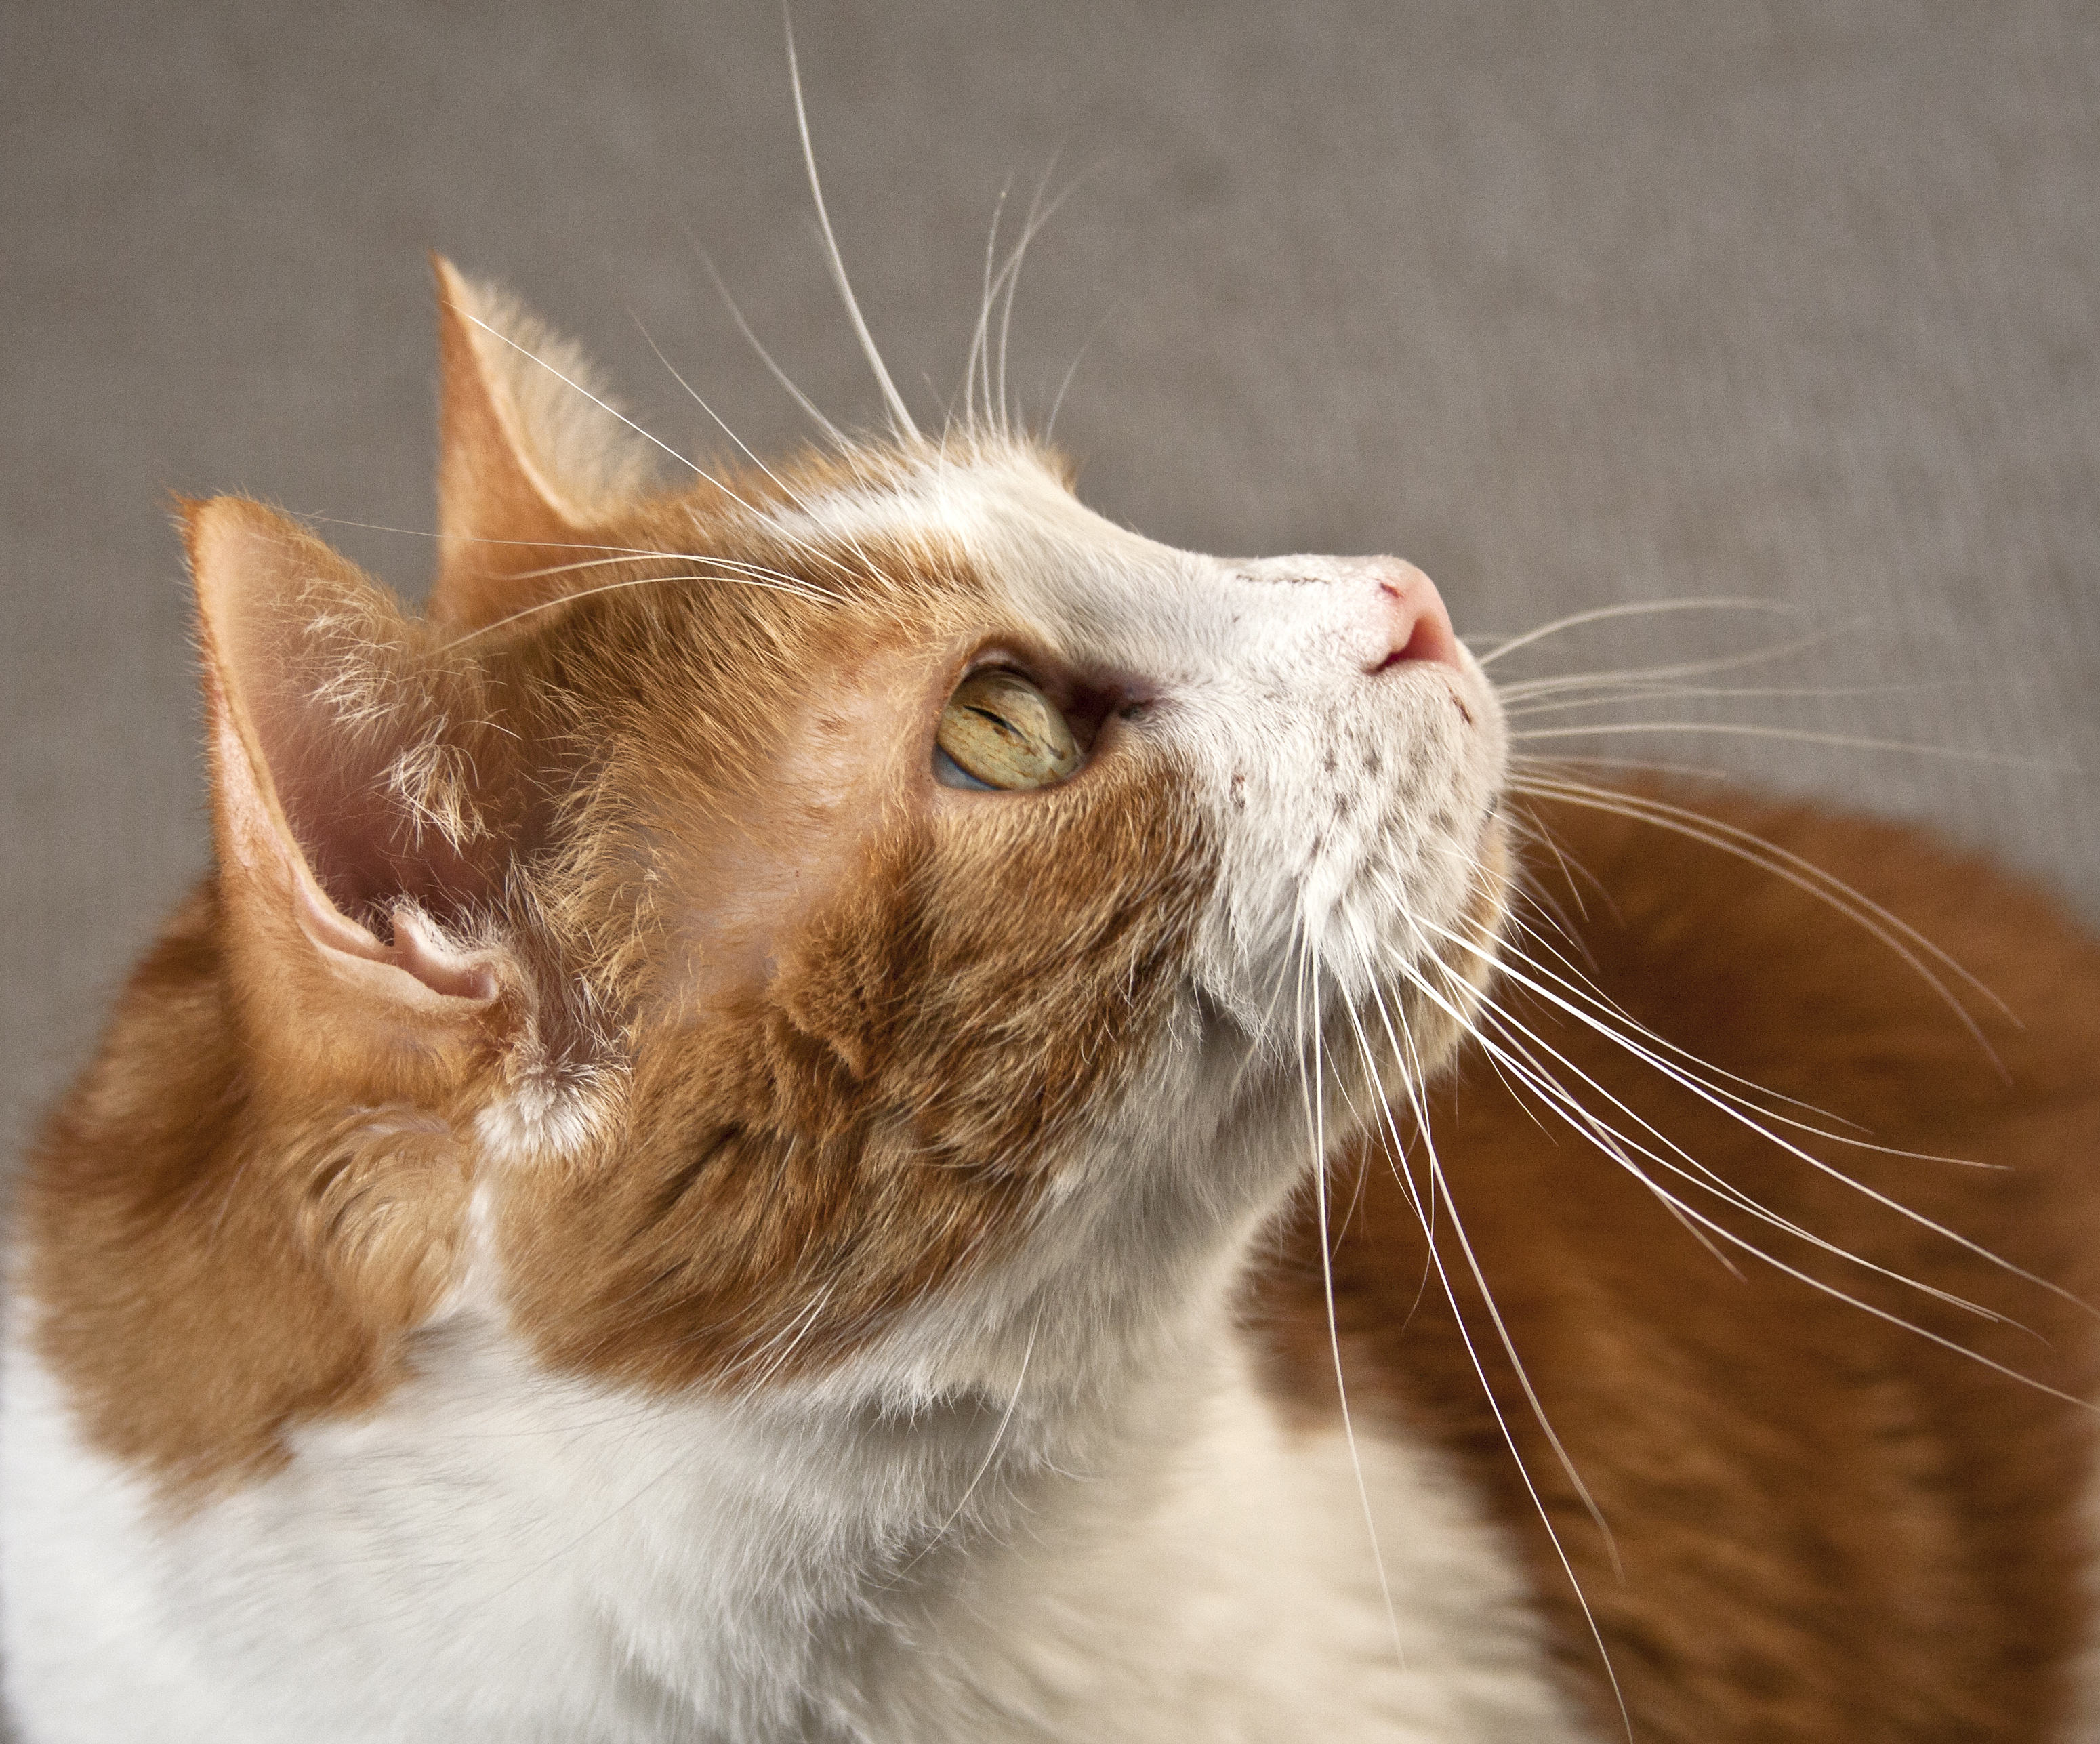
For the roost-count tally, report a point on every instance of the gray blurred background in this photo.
(1574, 305)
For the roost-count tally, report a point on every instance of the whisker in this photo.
(1899, 936)
(781, 484)
(609, 554)
(1623, 1148)
(900, 414)
(786, 1339)
(1737, 1109)
(578, 386)
(1529, 830)
(987, 407)
(1039, 215)
(868, 563)
(1530, 1082)
(1316, 1095)
(1642, 693)
(1441, 1191)
(1415, 1089)
(639, 581)
(1413, 1080)
(1050, 424)
(617, 554)
(1646, 765)
(1579, 985)
(991, 1452)
(1729, 1236)
(1802, 735)
(837, 436)
(1707, 1179)
(1702, 669)
(979, 357)
(1599, 614)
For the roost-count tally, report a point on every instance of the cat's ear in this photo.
(532, 457)
(357, 799)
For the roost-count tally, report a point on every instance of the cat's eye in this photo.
(1000, 731)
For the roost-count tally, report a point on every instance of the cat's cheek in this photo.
(1030, 958)
(875, 1125)
(755, 868)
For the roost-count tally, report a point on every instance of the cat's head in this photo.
(750, 917)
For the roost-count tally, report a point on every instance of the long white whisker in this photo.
(1316, 1095)
(617, 554)
(1816, 1284)
(1577, 985)
(900, 414)
(744, 448)
(1622, 1148)
(1600, 614)
(1899, 936)
(1706, 1178)
(1037, 218)
(1403, 1043)
(991, 1452)
(1441, 1189)
(1703, 668)
(639, 581)
(837, 436)
(1698, 772)
(1528, 1082)
(868, 566)
(1730, 1236)
(1735, 1108)
(1801, 735)
(1050, 424)
(609, 554)
(1610, 696)
(785, 1339)
(979, 369)
(567, 381)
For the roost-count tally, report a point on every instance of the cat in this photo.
(840, 1101)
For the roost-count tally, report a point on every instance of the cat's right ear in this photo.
(359, 798)
(532, 457)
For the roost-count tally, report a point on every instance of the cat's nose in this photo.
(1416, 625)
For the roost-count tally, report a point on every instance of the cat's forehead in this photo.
(1006, 507)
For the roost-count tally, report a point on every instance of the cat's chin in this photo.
(1412, 1036)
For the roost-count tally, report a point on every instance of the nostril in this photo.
(1418, 627)
(1422, 644)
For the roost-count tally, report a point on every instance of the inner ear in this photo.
(364, 794)
(532, 457)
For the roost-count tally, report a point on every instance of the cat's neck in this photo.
(1104, 1568)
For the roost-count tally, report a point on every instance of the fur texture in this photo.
(625, 1209)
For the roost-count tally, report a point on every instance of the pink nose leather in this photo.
(1417, 626)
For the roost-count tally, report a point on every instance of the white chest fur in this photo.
(494, 1556)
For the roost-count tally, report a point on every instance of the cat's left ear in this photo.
(364, 806)
(532, 458)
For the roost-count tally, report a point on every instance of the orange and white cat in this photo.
(779, 1114)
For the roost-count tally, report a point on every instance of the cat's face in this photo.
(879, 897)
